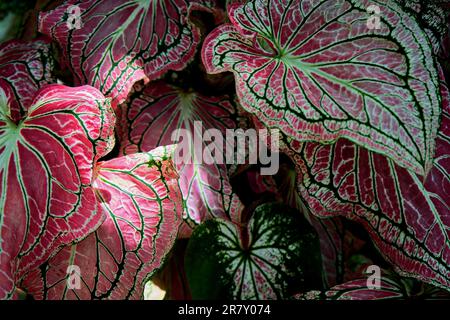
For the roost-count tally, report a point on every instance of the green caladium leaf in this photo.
(276, 253)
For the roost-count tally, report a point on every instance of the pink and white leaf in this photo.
(143, 206)
(46, 168)
(150, 118)
(24, 67)
(359, 290)
(316, 70)
(112, 44)
(407, 217)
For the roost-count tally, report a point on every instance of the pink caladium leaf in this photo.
(318, 70)
(46, 167)
(358, 289)
(112, 44)
(143, 207)
(24, 67)
(389, 287)
(150, 119)
(406, 216)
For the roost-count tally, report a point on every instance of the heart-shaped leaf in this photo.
(332, 231)
(320, 70)
(46, 163)
(276, 254)
(407, 217)
(282, 187)
(112, 44)
(150, 119)
(143, 203)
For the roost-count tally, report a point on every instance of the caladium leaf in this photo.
(283, 188)
(431, 16)
(46, 163)
(319, 71)
(407, 217)
(331, 231)
(143, 202)
(331, 234)
(29, 24)
(358, 290)
(24, 67)
(112, 44)
(444, 54)
(151, 117)
(275, 254)
(389, 287)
